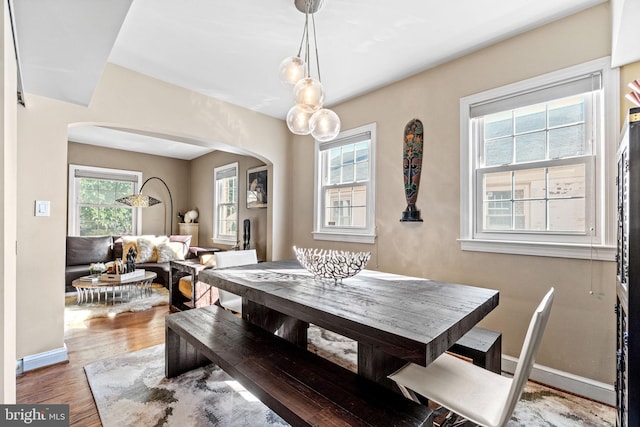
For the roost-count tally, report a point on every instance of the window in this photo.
(344, 187)
(93, 210)
(536, 171)
(225, 210)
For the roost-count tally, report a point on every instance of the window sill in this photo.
(345, 237)
(556, 250)
(224, 241)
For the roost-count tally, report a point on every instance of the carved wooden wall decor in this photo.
(412, 167)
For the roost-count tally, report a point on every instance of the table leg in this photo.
(284, 326)
(173, 290)
(376, 365)
(146, 288)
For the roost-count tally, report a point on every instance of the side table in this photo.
(191, 267)
(197, 250)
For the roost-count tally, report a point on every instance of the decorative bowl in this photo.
(331, 264)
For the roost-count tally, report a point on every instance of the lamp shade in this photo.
(309, 92)
(298, 119)
(143, 201)
(139, 201)
(325, 125)
(291, 70)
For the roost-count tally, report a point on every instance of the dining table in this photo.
(394, 318)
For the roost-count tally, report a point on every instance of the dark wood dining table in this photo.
(395, 319)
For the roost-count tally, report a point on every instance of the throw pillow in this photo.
(146, 250)
(170, 251)
(185, 239)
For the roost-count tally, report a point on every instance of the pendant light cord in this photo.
(315, 45)
(304, 41)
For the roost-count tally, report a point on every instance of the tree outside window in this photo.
(99, 213)
(93, 210)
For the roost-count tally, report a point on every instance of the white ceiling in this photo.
(231, 50)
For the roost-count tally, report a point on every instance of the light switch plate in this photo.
(42, 208)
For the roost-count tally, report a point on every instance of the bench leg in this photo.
(493, 358)
(180, 356)
(490, 360)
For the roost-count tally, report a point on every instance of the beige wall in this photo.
(202, 195)
(580, 335)
(126, 100)
(8, 189)
(174, 172)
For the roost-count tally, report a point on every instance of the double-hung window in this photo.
(345, 187)
(225, 208)
(93, 210)
(536, 172)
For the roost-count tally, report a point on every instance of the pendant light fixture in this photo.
(308, 116)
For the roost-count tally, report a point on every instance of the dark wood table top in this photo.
(410, 318)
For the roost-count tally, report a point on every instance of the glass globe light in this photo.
(325, 125)
(291, 70)
(298, 119)
(309, 92)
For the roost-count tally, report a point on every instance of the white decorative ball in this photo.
(191, 216)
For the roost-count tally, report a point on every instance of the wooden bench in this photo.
(482, 346)
(304, 389)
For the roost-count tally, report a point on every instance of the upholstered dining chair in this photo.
(224, 259)
(481, 396)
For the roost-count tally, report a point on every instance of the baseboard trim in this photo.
(582, 386)
(35, 361)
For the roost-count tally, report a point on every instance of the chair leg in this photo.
(409, 394)
(454, 420)
(443, 417)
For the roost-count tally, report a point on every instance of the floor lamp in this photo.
(143, 201)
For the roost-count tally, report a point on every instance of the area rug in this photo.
(131, 390)
(77, 313)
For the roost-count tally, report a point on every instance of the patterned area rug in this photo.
(75, 314)
(131, 390)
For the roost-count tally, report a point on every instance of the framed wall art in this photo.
(257, 194)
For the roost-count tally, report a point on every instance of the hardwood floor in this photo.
(96, 339)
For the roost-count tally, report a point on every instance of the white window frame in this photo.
(599, 241)
(218, 238)
(346, 234)
(73, 223)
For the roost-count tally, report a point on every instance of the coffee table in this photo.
(140, 284)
